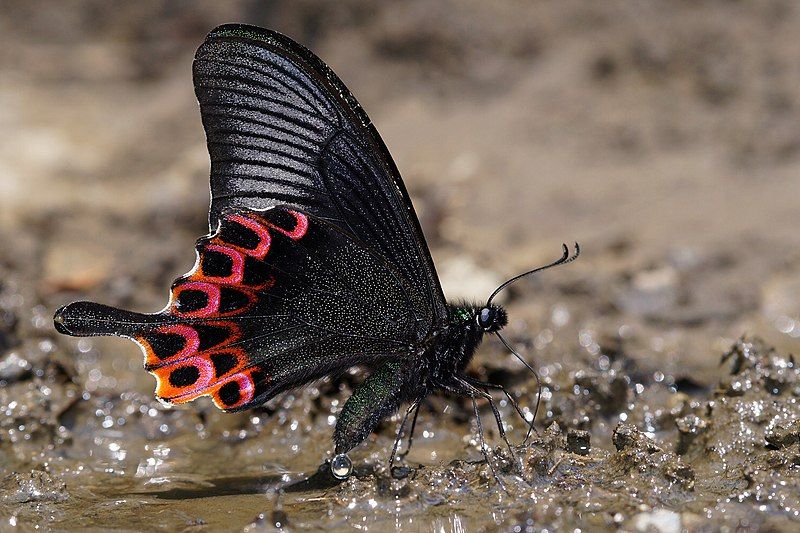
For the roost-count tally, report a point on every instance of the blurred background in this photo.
(663, 136)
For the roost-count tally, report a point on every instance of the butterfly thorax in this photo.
(455, 342)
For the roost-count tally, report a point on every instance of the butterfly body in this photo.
(315, 261)
(435, 365)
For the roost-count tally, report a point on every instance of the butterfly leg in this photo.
(498, 419)
(413, 407)
(462, 388)
(402, 455)
(375, 398)
(484, 447)
(511, 400)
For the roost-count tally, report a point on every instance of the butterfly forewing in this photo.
(283, 129)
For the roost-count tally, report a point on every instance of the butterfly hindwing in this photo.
(277, 298)
(283, 129)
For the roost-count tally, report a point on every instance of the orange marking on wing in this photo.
(169, 384)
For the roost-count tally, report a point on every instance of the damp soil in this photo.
(664, 139)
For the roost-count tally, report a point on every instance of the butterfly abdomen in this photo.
(377, 397)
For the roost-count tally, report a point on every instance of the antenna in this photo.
(563, 260)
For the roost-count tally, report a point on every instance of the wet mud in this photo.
(663, 139)
(613, 448)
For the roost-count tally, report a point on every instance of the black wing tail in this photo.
(89, 319)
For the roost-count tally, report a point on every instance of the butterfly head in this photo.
(491, 318)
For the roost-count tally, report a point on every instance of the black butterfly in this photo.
(316, 261)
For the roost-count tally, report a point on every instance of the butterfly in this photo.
(315, 261)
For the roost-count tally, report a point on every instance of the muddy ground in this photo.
(663, 136)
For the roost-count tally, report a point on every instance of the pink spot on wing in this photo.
(191, 346)
(246, 390)
(178, 394)
(263, 234)
(188, 333)
(211, 307)
(206, 369)
(300, 227)
(237, 271)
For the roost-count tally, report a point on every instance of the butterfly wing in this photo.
(283, 129)
(317, 262)
(277, 298)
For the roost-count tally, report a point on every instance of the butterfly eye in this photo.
(491, 318)
(486, 318)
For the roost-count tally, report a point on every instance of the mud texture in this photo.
(661, 136)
